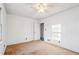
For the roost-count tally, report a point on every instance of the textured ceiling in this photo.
(26, 10)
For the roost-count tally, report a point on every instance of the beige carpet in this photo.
(37, 48)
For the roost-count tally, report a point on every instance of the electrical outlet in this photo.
(26, 38)
(4, 45)
(59, 41)
(48, 39)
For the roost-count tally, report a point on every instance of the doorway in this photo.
(42, 31)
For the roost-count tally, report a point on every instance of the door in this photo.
(0, 26)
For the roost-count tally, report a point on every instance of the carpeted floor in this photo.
(37, 48)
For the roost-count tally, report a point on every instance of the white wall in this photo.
(69, 21)
(19, 28)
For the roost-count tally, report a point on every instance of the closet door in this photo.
(2, 29)
(36, 31)
(1, 42)
(0, 32)
(0, 26)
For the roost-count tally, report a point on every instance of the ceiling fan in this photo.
(40, 7)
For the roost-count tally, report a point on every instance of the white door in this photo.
(0, 27)
(36, 31)
(1, 42)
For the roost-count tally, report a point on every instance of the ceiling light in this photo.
(41, 7)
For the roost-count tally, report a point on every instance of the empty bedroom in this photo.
(39, 28)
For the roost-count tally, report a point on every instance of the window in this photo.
(56, 32)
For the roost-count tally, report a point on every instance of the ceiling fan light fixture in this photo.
(41, 7)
